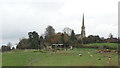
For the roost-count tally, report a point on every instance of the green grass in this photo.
(104, 44)
(60, 58)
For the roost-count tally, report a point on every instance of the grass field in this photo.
(113, 45)
(60, 58)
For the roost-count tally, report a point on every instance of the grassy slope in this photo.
(73, 59)
(62, 58)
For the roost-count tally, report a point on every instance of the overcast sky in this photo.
(18, 17)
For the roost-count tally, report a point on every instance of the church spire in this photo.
(83, 21)
(83, 28)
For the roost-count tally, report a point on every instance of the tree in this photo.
(110, 39)
(91, 39)
(49, 33)
(58, 37)
(67, 30)
(97, 39)
(5, 48)
(41, 42)
(41, 37)
(102, 39)
(72, 37)
(110, 35)
(13, 48)
(23, 44)
(34, 40)
(65, 39)
(9, 45)
(53, 40)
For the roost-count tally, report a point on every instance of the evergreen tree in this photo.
(72, 37)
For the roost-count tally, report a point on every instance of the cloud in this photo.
(21, 16)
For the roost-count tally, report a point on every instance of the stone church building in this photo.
(82, 35)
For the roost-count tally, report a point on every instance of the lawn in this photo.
(60, 58)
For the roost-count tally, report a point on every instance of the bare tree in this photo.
(67, 30)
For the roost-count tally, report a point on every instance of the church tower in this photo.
(83, 28)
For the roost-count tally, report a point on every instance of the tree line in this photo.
(67, 37)
(38, 42)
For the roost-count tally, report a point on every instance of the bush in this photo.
(6, 48)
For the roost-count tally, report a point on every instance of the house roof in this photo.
(57, 44)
